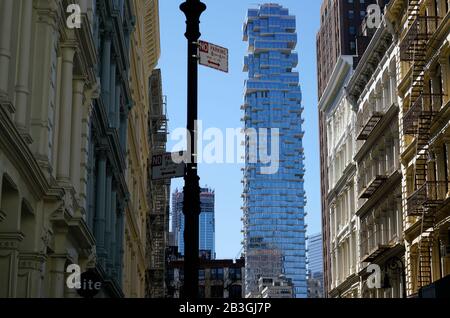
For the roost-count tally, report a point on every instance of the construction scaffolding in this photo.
(158, 194)
(417, 121)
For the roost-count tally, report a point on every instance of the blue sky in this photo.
(220, 97)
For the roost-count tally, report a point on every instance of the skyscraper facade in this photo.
(274, 226)
(315, 266)
(206, 221)
(315, 257)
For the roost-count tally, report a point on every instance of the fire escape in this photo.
(417, 120)
(158, 195)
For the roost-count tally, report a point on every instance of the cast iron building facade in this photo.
(340, 34)
(206, 221)
(274, 226)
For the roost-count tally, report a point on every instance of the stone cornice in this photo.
(18, 151)
(336, 82)
(369, 61)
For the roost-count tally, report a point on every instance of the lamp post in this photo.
(191, 201)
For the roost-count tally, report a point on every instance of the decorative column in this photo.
(112, 249)
(6, 16)
(116, 119)
(436, 91)
(106, 68)
(75, 140)
(65, 118)
(112, 95)
(44, 82)
(58, 274)
(120, 232)
(445, 70)
(441, 189)
(384, 97)
(9, 251)
(447, 149)
(31, 267)
(393, 84)
(108, 222)
(123, 130)
(22, 89)
(99, 220)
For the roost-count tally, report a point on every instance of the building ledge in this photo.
(390, 182)
(376, 252)
(430, 196)
(373, 186)
(377, 130)
(345, 286)
(370, 125)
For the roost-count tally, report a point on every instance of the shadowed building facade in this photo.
(66, 101)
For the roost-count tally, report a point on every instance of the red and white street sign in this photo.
(213, 56)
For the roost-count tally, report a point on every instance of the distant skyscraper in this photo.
(206, 221)
(315, 254)
(274, 225)
(315, 266)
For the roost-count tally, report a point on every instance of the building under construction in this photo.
(422, 28)
(158, 195)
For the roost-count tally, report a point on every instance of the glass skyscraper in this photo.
(274, 224)
(315, 255)
(315, 265)
(206, 221)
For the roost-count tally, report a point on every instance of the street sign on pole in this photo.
(164, 167)
(213, 56)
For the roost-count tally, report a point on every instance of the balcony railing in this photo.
(372, 187)
(368, 125)
(430, 195)
(417, 36)
(374, 244)
(411, 117)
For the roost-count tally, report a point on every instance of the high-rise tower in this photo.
(206, 221)
(274, 225)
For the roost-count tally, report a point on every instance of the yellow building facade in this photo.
(422, 28)
(144, 55)
(47, 87)
(74, 144)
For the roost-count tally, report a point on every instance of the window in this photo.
(217, 274)
(235, 292)
(216, 291)
(352, 30)
(201, 274)
(351, 14)
(201, 292)
(234, 274)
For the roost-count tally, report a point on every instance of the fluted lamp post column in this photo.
(191, 201)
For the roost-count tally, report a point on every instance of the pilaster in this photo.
(6, 15)
(9, 261)
(30, 275)
(22, 89)
(65, 108)
(100, 191)
(75, 138)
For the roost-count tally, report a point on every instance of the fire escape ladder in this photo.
(417, 121)
(425, 248)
